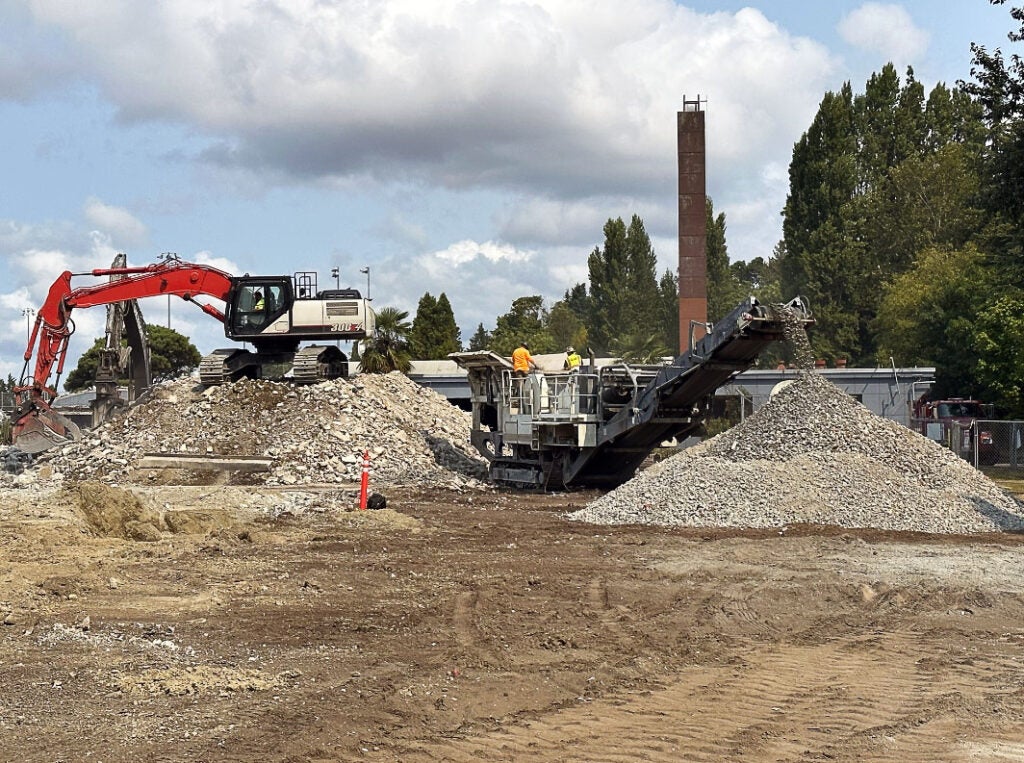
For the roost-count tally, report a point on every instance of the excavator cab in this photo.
(256, 303)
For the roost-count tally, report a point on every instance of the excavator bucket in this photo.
(42, 429)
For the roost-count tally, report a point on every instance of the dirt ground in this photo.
(210, 624)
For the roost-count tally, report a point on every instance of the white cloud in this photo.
(462, 252)
(545, 220)
(398, 229)
(229, 266)
(16, 300)
(35, 256)
(562, 110)
(557, 96)
(117, 223)
(885, 29)
(480, 279)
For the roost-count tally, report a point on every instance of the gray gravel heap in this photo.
(813, 455)
(314, 434)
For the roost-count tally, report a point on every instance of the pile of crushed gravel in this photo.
(813, 455)
(313, 435)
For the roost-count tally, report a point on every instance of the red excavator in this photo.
(272, 313)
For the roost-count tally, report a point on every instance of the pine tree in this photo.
(857, 213)
(577, 300)
(623, 298)
(724, 289)
(999, 91)
(434, 332)
(565, 328)
(668, 311)
(421, 335)
(450, 338)
(481, 339)
(641, 305)
(526, 321)
(607, 270)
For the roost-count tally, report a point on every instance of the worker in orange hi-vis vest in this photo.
(522, 361)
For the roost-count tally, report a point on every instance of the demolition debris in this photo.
(309, 434)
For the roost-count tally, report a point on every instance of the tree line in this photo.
(903, 225)
(625, 309)
(903, 228)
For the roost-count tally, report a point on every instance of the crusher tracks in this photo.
(316, 364)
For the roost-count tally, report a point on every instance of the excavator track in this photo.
(318, 363)
(222, 366)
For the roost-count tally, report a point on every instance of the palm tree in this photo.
(388, 349)
(639, 348)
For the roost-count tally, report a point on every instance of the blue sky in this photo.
(470, 147)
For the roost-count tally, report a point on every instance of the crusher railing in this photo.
(593, 427)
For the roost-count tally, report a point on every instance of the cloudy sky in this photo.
(472, 147)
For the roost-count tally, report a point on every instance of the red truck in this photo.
(956, 417)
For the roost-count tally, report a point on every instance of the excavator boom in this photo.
(53, 321)
(36, 426)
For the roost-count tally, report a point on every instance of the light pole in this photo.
(168, 257)
(366, 270)
(28, 312)
(336, 274)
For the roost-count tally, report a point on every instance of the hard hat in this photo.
(570, 349)
(526, 346)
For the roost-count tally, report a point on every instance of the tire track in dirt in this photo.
(597, 599)
(846, 699)
(470, 639)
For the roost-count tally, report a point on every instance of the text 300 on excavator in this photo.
(272, 313)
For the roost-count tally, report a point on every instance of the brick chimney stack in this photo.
(693, 266)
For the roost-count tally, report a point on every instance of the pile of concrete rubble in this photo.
(312, 435)
(813, 455)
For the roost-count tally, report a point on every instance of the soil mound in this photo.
(814, 455)
(110, 512)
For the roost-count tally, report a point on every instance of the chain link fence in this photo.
(985, 443)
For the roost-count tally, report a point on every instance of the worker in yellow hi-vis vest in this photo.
(572, 359)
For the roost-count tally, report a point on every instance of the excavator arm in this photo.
(36, 425)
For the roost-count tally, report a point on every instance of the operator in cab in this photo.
(522, 361)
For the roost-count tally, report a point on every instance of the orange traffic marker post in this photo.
(364, 484)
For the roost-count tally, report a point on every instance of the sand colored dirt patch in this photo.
(111, 512)
(195, 679)
(197, 521)
(381, 519)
